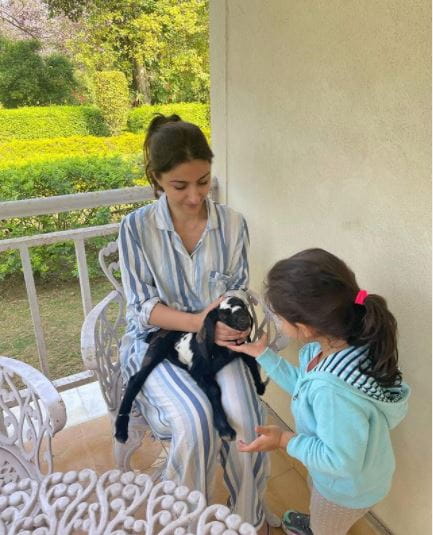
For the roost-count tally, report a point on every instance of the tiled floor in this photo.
(86, 442)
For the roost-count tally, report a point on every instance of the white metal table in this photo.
(112, 503)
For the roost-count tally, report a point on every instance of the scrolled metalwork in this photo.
(31, 412)
(113, 503)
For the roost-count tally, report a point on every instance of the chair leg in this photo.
(124, 452)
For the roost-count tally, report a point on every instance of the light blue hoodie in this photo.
(343, 418)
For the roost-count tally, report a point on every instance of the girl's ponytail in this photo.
(378, 330)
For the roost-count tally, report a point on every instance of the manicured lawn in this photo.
(62, 317)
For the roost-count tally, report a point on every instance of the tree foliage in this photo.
(160, 45)
(30, 19)
(27, 78)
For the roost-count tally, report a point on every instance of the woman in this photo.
(177, 257)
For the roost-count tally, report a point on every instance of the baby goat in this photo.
(198, 354)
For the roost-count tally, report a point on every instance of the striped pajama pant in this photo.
(177, 408)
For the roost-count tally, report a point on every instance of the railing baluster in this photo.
(34, 309)
(83, 274)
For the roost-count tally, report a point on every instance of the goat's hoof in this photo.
(121, 428)
(228, 434)
(120, 437)
(261, 389)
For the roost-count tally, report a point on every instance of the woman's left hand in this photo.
(271, 437)
(226, 336)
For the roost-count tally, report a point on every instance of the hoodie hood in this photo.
(346, 369)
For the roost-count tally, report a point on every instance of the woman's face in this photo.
(187, 186)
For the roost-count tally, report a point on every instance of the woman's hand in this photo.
(200, 317)
(254, 349)
(225, 336)
(271, 437)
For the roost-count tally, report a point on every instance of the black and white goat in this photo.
(198, 354)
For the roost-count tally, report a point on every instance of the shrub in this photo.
(71, 175)
(51, 121)
(112, 98)
(66, 121)
(194, 112)
(22, 152)
(27, 78)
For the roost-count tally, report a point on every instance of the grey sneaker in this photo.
(295, 523)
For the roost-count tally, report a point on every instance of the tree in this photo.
(30, 19)
(27, 79)
(160, 45)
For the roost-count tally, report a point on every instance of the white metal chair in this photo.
(31, 413)
(100, 342)
(112, 503)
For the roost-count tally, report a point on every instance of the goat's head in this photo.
(234, 312)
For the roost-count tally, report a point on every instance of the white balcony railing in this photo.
(66, 203)
(63, 203)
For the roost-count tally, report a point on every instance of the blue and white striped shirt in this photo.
(157, 268)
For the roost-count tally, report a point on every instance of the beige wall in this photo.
(321, 130)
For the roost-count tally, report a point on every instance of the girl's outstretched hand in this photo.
(271, 437)
(254, 349)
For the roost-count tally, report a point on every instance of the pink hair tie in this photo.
(360, 297)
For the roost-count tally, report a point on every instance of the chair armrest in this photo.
(101, 336)
(31, 413)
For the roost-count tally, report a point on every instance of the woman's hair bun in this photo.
(159, 120)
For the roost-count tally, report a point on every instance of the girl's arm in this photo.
(278, 369)
(340, 443)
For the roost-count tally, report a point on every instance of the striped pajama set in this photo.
(157, 268)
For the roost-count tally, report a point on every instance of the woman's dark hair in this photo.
(170, 142)
(318, 289)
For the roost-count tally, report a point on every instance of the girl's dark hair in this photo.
(170, 142)
(318, 289)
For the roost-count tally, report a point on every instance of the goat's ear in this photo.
(206, 335)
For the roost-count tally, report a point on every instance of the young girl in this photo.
(347, 392)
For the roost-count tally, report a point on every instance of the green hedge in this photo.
(73, 175)
(65, 121)
(22, 152)
(194, 112)
(51, 121)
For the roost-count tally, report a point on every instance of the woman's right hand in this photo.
(200, 317)
(254, 349)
